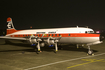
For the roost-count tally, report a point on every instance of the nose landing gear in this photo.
(90, 52)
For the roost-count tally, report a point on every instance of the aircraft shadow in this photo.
(46, 48)
(16, 44)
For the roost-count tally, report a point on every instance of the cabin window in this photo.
(39, 35)
(49, 35)
(18, 35)
(52, 34)
(55, 34)
(68, 34)
(59, 34)
(85, 31)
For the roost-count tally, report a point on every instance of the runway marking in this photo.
(91, 61)
(61, 62)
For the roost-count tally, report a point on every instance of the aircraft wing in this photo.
(19, 38)
(12, 38)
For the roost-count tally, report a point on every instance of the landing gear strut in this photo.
(77, 46)
(56, 48)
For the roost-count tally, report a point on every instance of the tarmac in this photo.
(18, 56)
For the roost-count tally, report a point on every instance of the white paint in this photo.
(67, 30)
(62, 62)
(78, 40)
(57, 30)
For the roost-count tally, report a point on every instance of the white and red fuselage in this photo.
(53, 36)
(73, 35)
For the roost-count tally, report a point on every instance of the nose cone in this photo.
(102, 36)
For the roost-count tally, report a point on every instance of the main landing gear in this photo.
(56, 48)
(90, 52)
(38, 47)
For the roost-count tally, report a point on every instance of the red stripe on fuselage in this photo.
(60, 34)
(84, 35)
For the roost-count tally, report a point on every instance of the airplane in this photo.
(54, 36)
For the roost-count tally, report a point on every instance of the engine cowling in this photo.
(33, 41)
(51, 41)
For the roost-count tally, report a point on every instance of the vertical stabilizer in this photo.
(10, 27)
(10, 23)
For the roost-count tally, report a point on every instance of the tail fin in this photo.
(10, 27)
(10, 23)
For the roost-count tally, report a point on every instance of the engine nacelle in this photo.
(33, 41)
(51, 42)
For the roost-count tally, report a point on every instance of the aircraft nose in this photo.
(102, 36)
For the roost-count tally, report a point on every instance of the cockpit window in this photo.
(89, 31)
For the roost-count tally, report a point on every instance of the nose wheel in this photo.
(90, 52)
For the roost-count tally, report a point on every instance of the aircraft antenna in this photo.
(77, 26)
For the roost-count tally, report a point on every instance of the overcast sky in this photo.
(53, 13)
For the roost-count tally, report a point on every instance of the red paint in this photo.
(8, 19)
(9, 31)
(62, 35)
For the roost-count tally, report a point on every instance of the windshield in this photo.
(89, 31)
